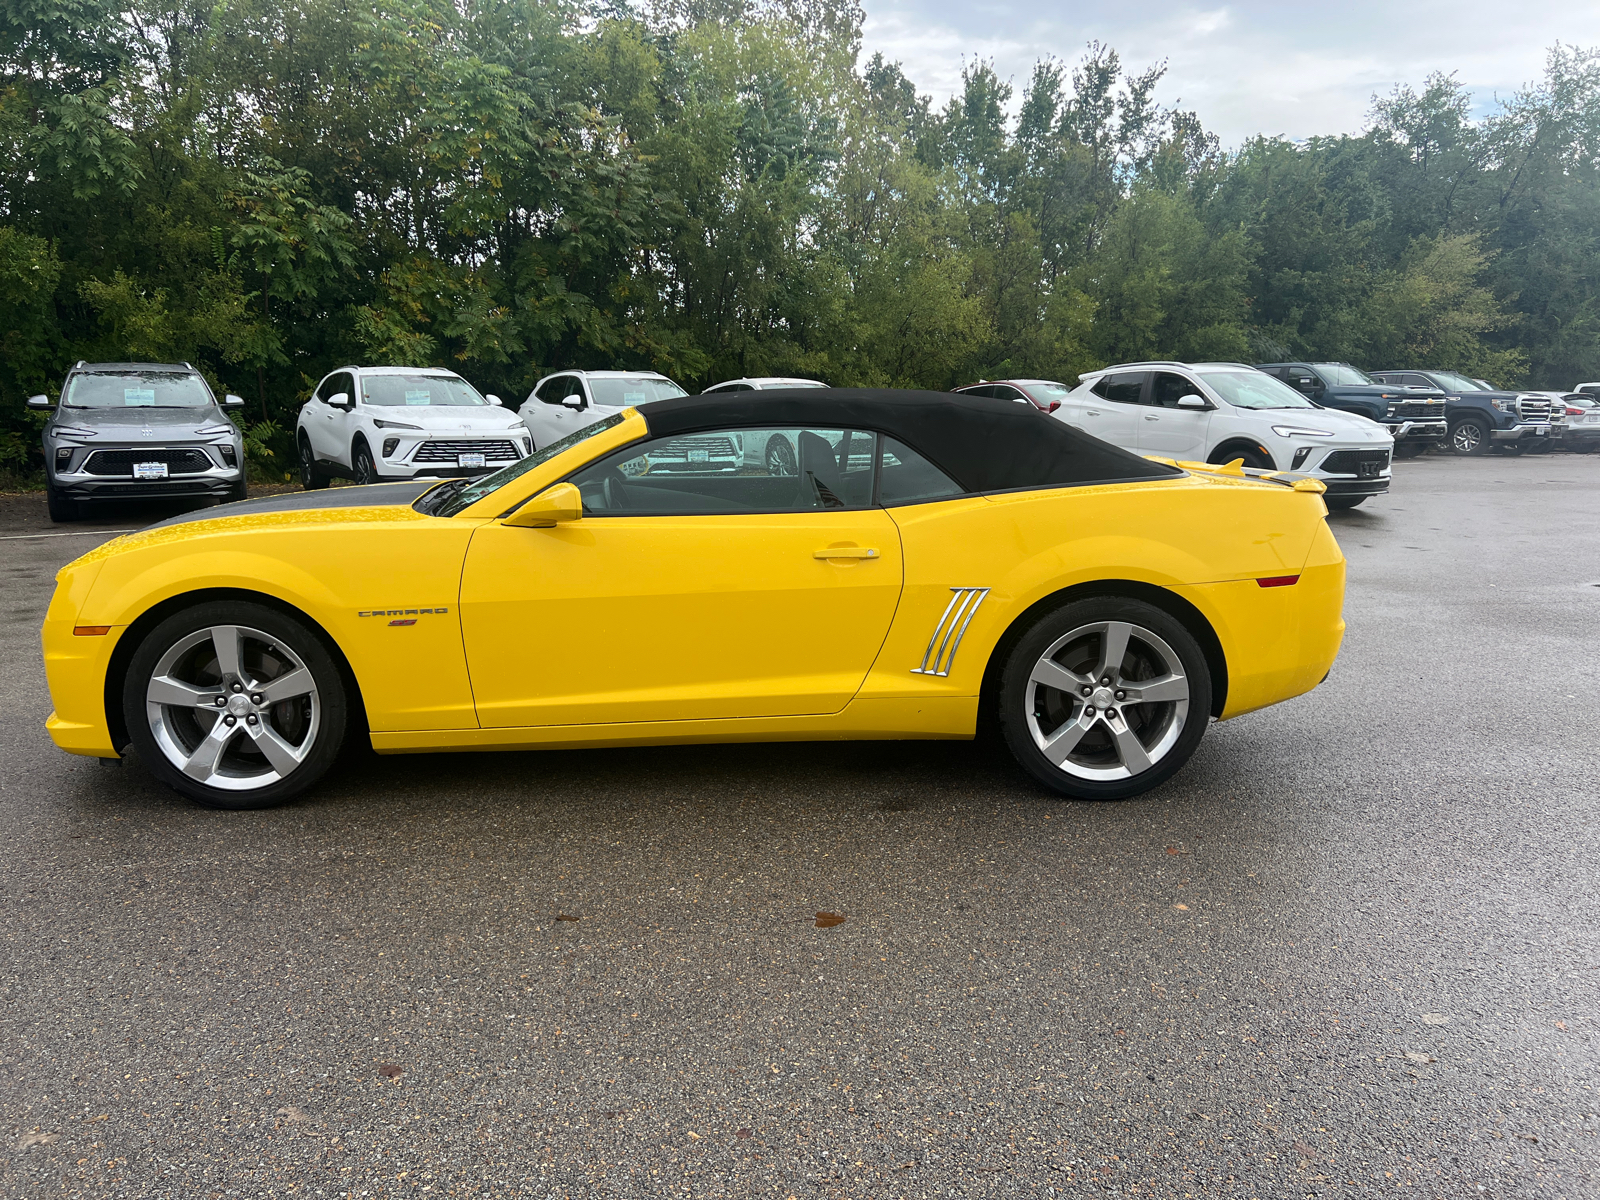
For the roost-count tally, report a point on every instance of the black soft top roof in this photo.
(985, 445)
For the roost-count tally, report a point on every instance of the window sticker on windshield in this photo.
(417, 397)
(633, 397)
(140, 396)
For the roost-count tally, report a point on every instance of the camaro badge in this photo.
(406, 616)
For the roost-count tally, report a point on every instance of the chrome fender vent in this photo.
(952, 627)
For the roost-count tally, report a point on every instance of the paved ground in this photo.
(1353, 949)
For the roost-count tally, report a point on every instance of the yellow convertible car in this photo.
(812, 564)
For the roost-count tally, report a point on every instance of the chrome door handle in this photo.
(1148, 417)
(846, 552)
(1091, 412)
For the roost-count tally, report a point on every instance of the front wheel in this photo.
(780, 456)
(1258, 458)
(361, 463)
(311, 476)
(1105, 698)
(62, 508)
(235, 705)
(1469, 436)
(1410, 449)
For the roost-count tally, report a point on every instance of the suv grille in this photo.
(447, 452)
(1533, 408)
(1408, 410)
(120, 462)
(1350, 462)
(680, 447)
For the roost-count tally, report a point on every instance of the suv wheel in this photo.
(62, 508)
(1104, 698)
(363, 467)
(235, 705)
(1410, 449)
(1469, 436)
(1257, 459)
(311, 476)
(780, 457)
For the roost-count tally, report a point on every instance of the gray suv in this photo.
(127, 431)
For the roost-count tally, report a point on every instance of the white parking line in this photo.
(20, 537)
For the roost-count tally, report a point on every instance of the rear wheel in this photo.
(1105, 698)
(62, 508)
(1469, 436)
(780, 457)
(235, 705)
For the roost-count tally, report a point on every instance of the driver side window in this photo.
(334, 384)
(1166, 389)
(733, 471)
(558, 389)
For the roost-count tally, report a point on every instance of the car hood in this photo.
(1378, 391)
(132, 422)
(372, 496)
(1344, 423)
(442, 420)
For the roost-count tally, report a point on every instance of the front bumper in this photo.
(1356, 487)
(437, 454)
(1418, 431)
(76, 483)
(1517, 432)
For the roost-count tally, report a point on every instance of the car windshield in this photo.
(1342, 375)
(137, 389)
(448, 499)
(791, 383)
(1253, 389)
(1457, 383)
(427, 391)
(625, 393)
(1049, 391)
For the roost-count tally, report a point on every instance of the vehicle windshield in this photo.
(427, 391)
(626, 393)
(1457, 383)
(137, 389)
(1342, 375)
(791, 383)
(1049, 391)
(448, 499)
(1253, 389)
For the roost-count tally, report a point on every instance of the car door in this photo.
(684, 597)
(326, 424)
(544, 414)
(1166, 429)
(1111, 409)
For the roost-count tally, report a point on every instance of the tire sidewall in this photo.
(1052, 625)
(1483, 436)
(298, 636)
(363, 451)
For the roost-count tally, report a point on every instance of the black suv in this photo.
(1481, 417)
(1414, 416)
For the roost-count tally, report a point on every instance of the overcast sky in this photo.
(1289, 68)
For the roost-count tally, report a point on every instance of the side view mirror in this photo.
(232, 401)
(1192, 401)
(494, 400)
(549, 508)
(1054, 404)
(572, 401)
(340, 400)
(40, 402)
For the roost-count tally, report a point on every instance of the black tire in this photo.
(1538, 445)
(311, 476)
(1512, 449)
(1257, 458)
(1470, 436)
(239, 491)
(62, 508)
(362, 467)
(1074, 637)
(274, 749)
(1410, 449)
(1344, 503)
(779, 456)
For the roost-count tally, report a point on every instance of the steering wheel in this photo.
(613, 490)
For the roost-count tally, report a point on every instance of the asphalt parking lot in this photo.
(1354, 948)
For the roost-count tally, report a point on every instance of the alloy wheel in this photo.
(233, 708)
(780, 457)
(1466, 437)
(1107, 701)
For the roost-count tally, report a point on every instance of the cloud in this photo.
(1253, 66)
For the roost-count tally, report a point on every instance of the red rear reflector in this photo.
(1278, 580)
(90, 630)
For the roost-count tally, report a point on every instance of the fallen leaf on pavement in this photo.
(741, 1133)
(1181, 907)
(826, 920)
(564, 917)
(391, 1070)
(1419, 1058)
(291, 1113)
(37, 1139)
(1434, 1019)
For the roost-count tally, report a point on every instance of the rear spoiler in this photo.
(1237, 470)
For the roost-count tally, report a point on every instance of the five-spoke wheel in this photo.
(1105, 698)
(235, 705)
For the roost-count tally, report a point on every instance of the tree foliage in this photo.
(714, 188)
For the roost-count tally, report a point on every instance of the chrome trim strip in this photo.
(952, 627)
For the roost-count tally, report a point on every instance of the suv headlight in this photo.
(73, 431)
(394, 424)
(1505, 405)
(1294, 431)
(213, 430)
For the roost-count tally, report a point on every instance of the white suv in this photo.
(564, 403)
(1218, 412)
(372, 424)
